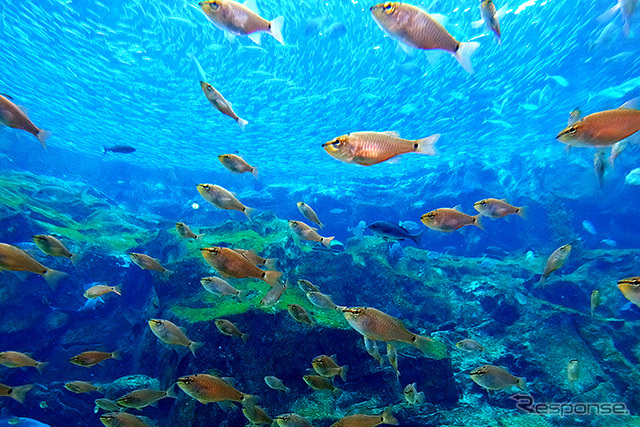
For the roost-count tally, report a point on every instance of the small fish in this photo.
(595, 301)
(292, 420)
(299, 314)
(170, 334)
(558, 79)
(91, 358)
(219, 287)
(589, 227)
(13, 116)
(230, 263)
(273, 296)
(257, 415)
(122, 419)
(106, 405)
(630, 288)
(414, 27)
(14, 359)
(392, 356)
(242, 19)
(370, 148)
(82, 387)
(495, 378)
(307, 286)
(491, 16)
(392, 232)
(379, 326)
(573, 372)
(185, 232)
(228, 328)
(207, 388)
(327, 367)
(321, 300)
(236, 164)
(555, 261)
(304, 232)
(142, 398)
(494, 208)
(321, 383)
(277, 384)
(372, 349)
(99, 290)
(54, 247)
(469, 345)
(13, 258)
(18, 393)
(599, 167)
(217, 100)
(309, 213)
(448, 220)
(412, 396)
(223, 199)
(361, 420)
(145, 262)
(268, 263)
(124, 149)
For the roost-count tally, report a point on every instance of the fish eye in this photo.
(389, 8)
(572, 130)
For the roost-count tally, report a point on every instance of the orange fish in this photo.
(207, 388)
(230, 263)
(305, 232)
(91, 358)
(13, 258)
(11, 115)
(630, 288)
(448, 220)
(14, 359)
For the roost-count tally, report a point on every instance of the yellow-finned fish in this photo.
(379, 326)
(414, 27)
(18, 393)
(495, 378)
(309, 213)
(15, 359)
(82, 387)
(91, 358)
(630, 288)
(207, 388)
(229, 328)
(13, 258)
(555, 261)
(237, 164)
(54, 247)
(305, 232)
(11, 115)
(230, 263)
(185, 232)
(170, 334)
(223, 199)
(495, 208)
(370, 148)
(242, 19)
(99, 290)
(122, 419)
(361, 420)
(448, 220)
(145, 262)
(217, 100)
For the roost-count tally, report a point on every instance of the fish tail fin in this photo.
(244, 338)
(522, 211)
(521, 383)
(254, 172)
(41, 365)
(388, 418)
(608, 14)
(543, 278)
(270, 263)
(116, 355)
(287, 390)
(200, 236)
(117, 290)
(275, 28)
(417, 237)
(20, 393)
(194, 346)
(327, 241)
(343, 372)
(430, 347)
(242, 295)
(242, 123)
(166, 273)
(249, 400)
(42, 136)
(464, 53)
(321, 225)
(477, 221)
(53, 277)
(75, 259)
(426, 145)
(171, 392)
(248, 212)
(271, 277)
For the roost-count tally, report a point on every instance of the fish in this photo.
(99, 290)
(122, 419)
(491, 17)
(558, 79)
(124, 149)
(392, 356)
(219, 287)
(299, 314)
(91, 358)
(415, 28)
(327, 366)
(236, 164)
(18, 393)
(276, 384)
(223, 199)
(13, 258)
(469, 345)
(304, 232)
(53, 194)
(321, 300)
(82, 387)
(230, 263)
(371, 148)
(372, 348)
(599, 167)
(495, 208)
(411, 395)
(630, 288)
(307, 286)
(309, 213)
(627, 8)
(555, 261)
(449, 220)
(242, 19)
(321, 383)
(573, 372)
(379, 326)
(292, 420)
(217, 100)
(142, 398)
(257, 415)
(228, 328)
(603, 129)
(495, 378)
(106, 405)
(589, 227)
(14, 117)
(392, 232)
(256, 259)
(145, 262)
(14, 359)
(170, 334)
(273, 296)
(54, 247)
(206, 388)
(361, 420)
(595, 301)
(185, 232)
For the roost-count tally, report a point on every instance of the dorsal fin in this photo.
(6, 96)
(631, 104)
(392, 133)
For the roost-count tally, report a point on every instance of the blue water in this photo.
(99, 74)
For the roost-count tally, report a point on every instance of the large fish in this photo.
(414, 27)
(11, 115)
(207, 388)
(13, 258)
(230, 263)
